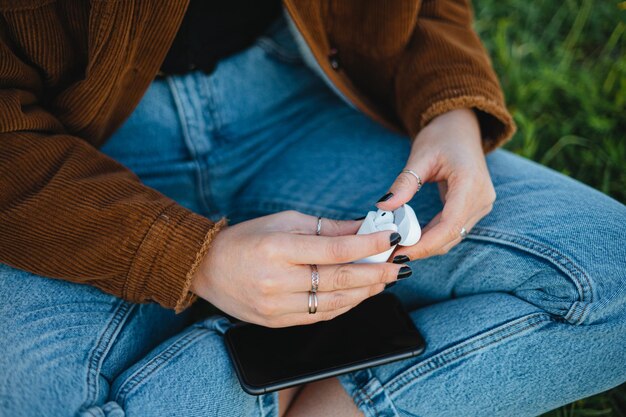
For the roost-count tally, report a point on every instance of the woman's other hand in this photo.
(259, 270)
(447, 151)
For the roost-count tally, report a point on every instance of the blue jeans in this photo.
(526, 314)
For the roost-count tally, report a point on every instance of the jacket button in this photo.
(333, 58)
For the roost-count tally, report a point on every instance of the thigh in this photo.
(494, 355)
(62, 342)
(189, 375)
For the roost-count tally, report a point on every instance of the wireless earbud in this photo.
(401, 220)
(383, 217)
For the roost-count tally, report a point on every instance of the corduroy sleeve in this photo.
(445, 67)
(68, 211)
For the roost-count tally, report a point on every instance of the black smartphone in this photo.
(375, 332)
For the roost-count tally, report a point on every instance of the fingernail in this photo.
(394, 239)
(385, 197)
(401, 259)
(404, 272)
(390, 284)
(360, 218)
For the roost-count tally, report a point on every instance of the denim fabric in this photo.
(526, 314)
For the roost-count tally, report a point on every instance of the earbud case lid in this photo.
(408, 226)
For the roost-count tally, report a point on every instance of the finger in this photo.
(447, 226)
(446, 248)
(299, 223)
(340, 277)
(406, 184)
(432, 223)
(471, 223)
(332, 227)
(325, 250)
(327, 300)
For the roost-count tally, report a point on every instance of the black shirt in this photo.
(212, 30)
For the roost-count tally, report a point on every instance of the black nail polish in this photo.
(390, 284)
(394, 239)
(360, 218)
(385, 197)
(401, 259)
(404, 272)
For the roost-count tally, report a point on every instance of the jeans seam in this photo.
(154, 364)
(272, 48)
(103, 346)
(581, 280)
(209, 86)
(369, 394)
(268, 404)
(363, 396)
(453, 353)
(201, 173)
(268, 43)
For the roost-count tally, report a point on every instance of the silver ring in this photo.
(417, 177)
(312, 302)
(319, 226)
(315, 278)
(463, 233)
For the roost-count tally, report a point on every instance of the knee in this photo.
(578, 232)
(577, 292)
(576, 266)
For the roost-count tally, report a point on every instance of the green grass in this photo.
(562, 65)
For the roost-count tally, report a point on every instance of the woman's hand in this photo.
(449, 151)
(259, 270)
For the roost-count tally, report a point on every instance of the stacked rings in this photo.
(315, 276)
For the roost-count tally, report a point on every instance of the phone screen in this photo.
(375, 329)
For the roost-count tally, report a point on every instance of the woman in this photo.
(132, 131)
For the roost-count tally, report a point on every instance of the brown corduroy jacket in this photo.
(71, 71)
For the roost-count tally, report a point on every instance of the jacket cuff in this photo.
(168, 256)
(496, 124)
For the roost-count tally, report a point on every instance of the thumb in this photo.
(406, 185)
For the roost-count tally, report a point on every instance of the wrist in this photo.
(464, 117)
(200, 279)
(458, 124)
